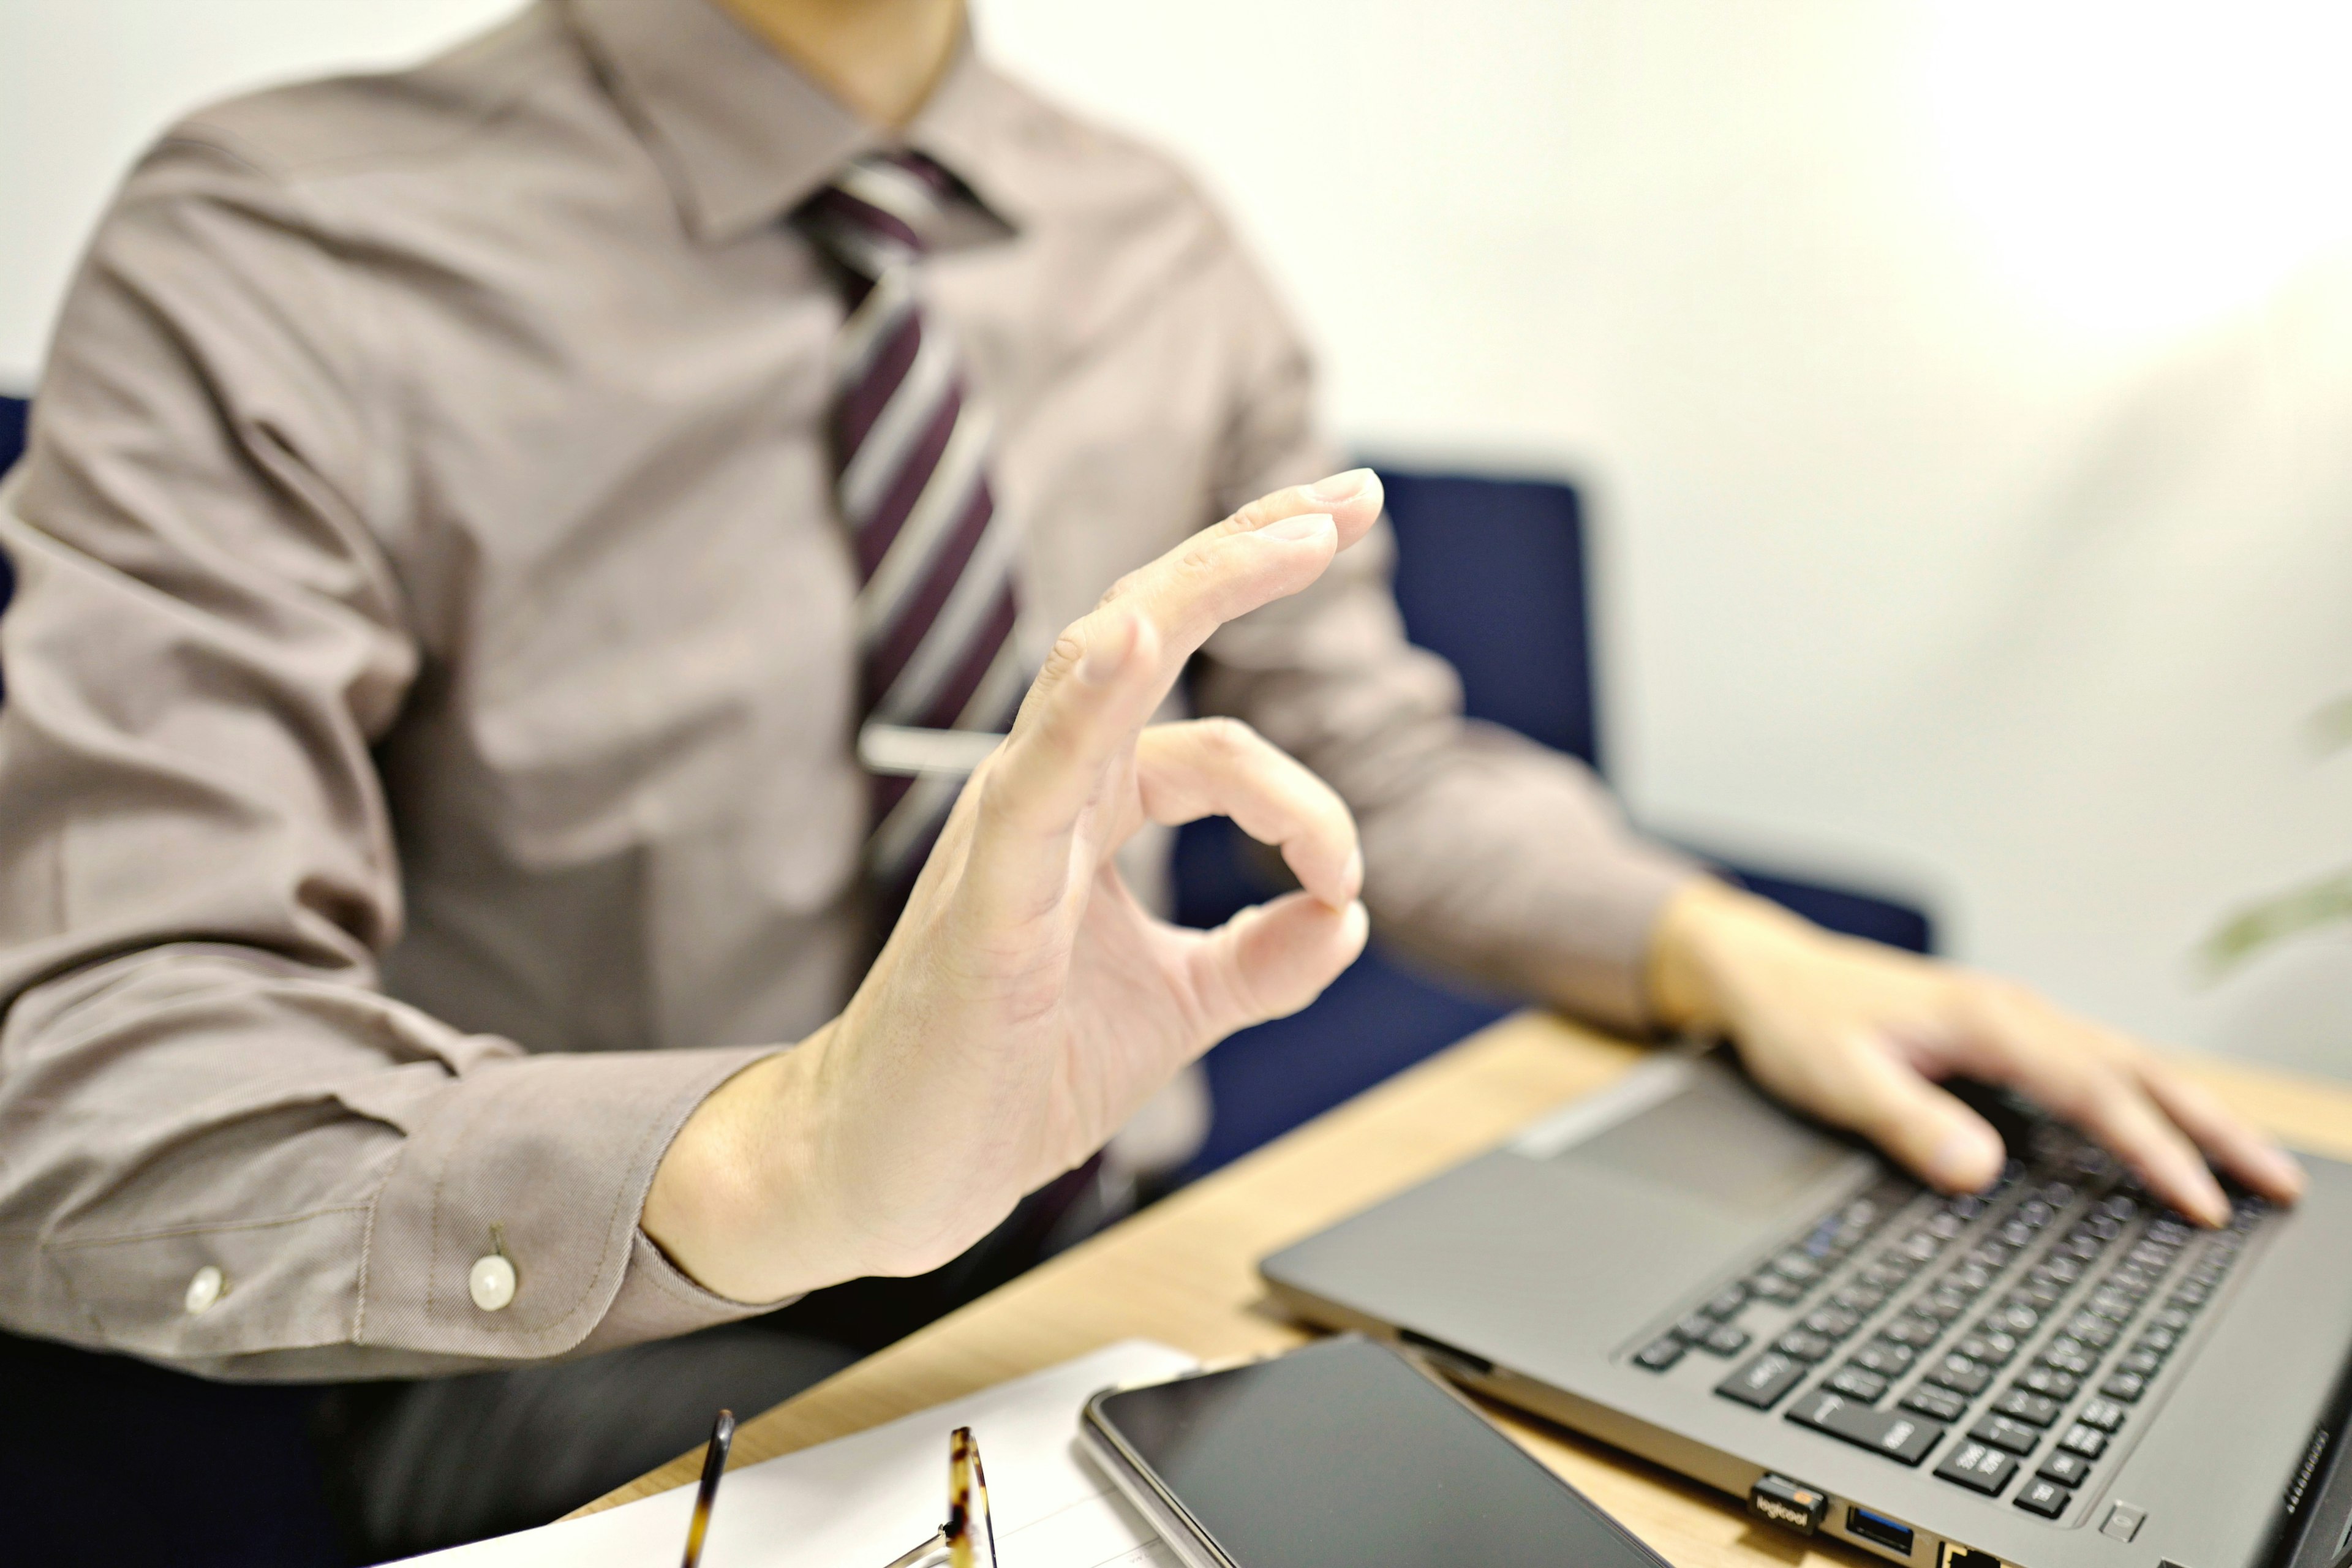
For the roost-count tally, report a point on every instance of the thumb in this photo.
(1921, 1126)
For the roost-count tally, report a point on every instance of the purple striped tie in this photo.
(940, 671)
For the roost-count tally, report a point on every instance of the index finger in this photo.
(1271, 548)
(1114, 666)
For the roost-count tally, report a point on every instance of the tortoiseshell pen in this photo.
(714, 1465)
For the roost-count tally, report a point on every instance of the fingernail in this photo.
(1341, 487)
(2284, 1174)
(1106, 657)
(1306, 525)
(1354, 875)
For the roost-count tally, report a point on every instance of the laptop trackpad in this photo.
(1718, 1141)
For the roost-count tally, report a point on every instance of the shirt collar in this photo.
(743, 136)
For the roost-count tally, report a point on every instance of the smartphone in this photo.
(1342, 1452)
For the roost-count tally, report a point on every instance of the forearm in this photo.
(338, 1163)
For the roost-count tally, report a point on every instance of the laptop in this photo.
(2055, 1374)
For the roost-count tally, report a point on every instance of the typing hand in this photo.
(1856, 1033)
(1027, 1004)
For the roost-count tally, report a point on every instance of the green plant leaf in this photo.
(2331, 727)
(2257, 926)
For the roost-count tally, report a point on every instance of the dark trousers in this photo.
(103, 1459)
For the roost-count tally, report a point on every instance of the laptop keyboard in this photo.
(2012, 1339)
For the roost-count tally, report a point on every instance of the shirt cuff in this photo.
(544, 1161)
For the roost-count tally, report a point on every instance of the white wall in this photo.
(1965, 391)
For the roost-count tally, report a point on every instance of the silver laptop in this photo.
(2058, 1373)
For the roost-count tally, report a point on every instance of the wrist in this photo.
(733, 1203)
(1696, 947)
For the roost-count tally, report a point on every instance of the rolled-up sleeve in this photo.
(221, 1145)
(1484, 851)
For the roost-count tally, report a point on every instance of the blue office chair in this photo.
(1491, 574)
(13, 411)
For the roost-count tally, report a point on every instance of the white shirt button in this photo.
(203, 1290)
(492, 1282)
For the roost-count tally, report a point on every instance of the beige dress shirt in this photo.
(426, 765)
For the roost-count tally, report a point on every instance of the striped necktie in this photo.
(939, 669)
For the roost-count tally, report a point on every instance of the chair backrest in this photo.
(12, 446)
(1491, 575)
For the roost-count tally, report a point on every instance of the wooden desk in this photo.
(1184, 1271)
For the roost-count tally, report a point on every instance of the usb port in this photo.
(1879, 1530)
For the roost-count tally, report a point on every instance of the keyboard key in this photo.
(1727, 1301)
(1905, 1439)
(1762, 1382)
(1943, 1304)
(1885, 1275)
(1916, 1331)
(1724, 1340)
(1802, 1343)
(1979, 1467)
(2044, 1380)
(1885, 1358)
(2171, 1318)
(1959, 1374)
(1992, 1255)
(2104, 1414)
(2067, 1469)
(2015, 1436)
(2141, 1363)
(2014, 1317)
(2091, 1330)
(1660, 1354)
(1796, 1266)
(2160, 1341)
(1695, 1327)
(2040, 1294)
(2111, 1304)
(2034, 1409)
(2087, 1441)
(2125, 1386)
(1859, 1298)
(1832, 1322)
(1994, 1348)
(1773, 1287)
(2069, 1356)
(2046, 1498)
(1859, 1383)
(1941, 1404)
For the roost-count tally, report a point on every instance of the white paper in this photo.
(860, 1502)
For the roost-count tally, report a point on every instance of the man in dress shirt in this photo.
(431, 797)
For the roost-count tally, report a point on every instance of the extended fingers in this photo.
(1866, 1086)
(2092, 1079)
(1222, 767)
(1274, 546)
(2245, 1153)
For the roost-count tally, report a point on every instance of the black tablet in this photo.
(1343, 1452)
